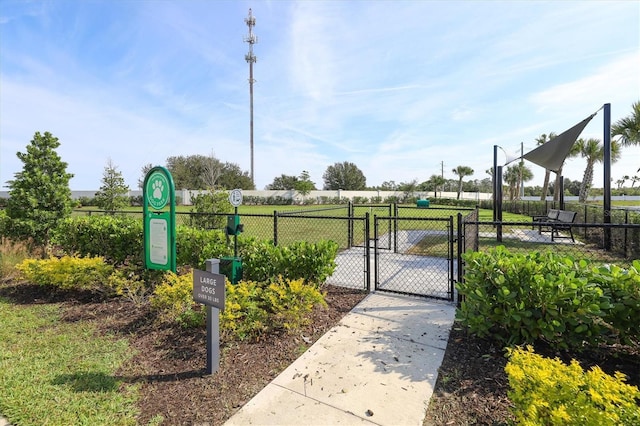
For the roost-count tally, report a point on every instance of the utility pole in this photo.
(442, 176)
(521, 165)
(251, 59)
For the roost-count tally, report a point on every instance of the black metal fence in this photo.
(578, 240)
(351, 227)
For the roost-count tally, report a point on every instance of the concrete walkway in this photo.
(378, 366)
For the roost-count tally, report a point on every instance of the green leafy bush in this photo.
(68, 272)
(114, 237)
(519, 298)
(194, 246)
(312, 262)
(622, 288)
(207, 209)
(547, 392)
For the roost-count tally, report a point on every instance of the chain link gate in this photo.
(350, 233)
(416, 257)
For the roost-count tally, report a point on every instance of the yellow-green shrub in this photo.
(244, 315)
(251, 308)
(67, 272)
(126, 283)
(291, 302)
(547, 392)
(173, 299)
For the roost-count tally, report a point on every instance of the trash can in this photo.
(423, 203)
(231, 267)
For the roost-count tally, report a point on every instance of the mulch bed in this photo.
(169, 361)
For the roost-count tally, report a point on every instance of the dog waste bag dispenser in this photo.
(232, 266)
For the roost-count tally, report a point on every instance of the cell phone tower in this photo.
(252, 39)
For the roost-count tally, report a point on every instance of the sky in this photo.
(402, 89)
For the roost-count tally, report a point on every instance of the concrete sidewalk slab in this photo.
(379, 366)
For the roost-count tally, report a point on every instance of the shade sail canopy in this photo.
(551, 155)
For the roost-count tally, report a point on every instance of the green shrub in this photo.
(77, 273)
(312, 262)
(519, 298)
(194, 246)
(207, 208)
(261, 261)
(547, 392)
(622, 288)
(115, 238)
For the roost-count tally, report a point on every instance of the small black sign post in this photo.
(208, 289)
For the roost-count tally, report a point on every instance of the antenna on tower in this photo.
(252, 39)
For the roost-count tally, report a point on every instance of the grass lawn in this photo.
(60, 371)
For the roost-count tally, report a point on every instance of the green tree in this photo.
(211, 202)
(390, 185)
(593, 152)
(547, 173)
(113, 194)
(283, 182)
(344, 175)
(461, 172)
(408, 187)
(39, 196)
(188, 171)
(145, 169)
(628, 128)
(233, 177)
(304, 184)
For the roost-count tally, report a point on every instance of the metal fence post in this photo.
(395, 228)
(375, 251)
(450, 255)
(275, 227)
(367, 252)
(461, 249)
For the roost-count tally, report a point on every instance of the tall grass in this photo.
(11, 253)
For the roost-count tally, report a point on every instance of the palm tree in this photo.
(574, 152)
(545, 186)
(593, 151)
(462, 171)
(514, 176)
(436, 181)
(628, 128)
(511, 177)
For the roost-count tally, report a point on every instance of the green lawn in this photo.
(60, 373)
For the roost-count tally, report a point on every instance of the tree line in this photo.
(39, 194)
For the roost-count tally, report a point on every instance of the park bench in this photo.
(550, 216)
(556, 221)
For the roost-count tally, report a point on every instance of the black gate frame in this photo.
(451, 240)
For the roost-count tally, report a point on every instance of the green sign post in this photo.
(159, 227)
